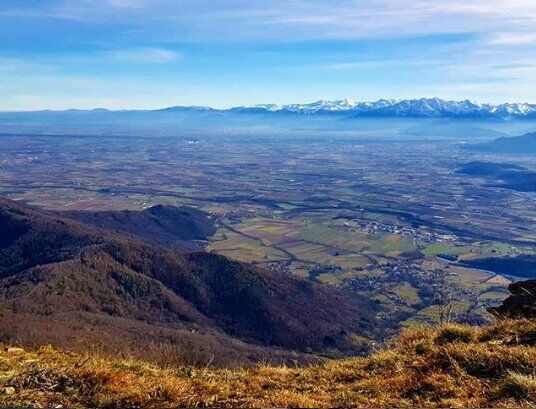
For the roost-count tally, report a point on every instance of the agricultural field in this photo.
(387, 219)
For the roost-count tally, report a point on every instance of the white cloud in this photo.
(383, 63)
(301, 19)
(18, 65)
(146, 55)
(510, 39)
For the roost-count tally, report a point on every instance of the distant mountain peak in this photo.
(384, 108)
(422, 107)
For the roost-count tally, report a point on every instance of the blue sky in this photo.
(60, 54)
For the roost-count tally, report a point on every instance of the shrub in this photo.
(518, 386)
(451, 333)
(416, 340)
(384, 360)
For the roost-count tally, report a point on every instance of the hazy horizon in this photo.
(252, 105)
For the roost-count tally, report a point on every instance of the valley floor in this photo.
(446, 366)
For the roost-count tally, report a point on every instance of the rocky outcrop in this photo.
(522, 302)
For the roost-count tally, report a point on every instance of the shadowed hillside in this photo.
(517, 145)
(76, 286)
(178, 228)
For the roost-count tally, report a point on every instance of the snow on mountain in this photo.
(514, 109)
(424, 107)
(269, 107)
(180, 108)
(418, 108)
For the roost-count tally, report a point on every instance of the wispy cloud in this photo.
(147, 55)
(383, 63)
(49, 62)
(241, 19)
(22, 66)
(514, 39)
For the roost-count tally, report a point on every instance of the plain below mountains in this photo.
(72, 285)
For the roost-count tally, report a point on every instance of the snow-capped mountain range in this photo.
(386, 116)
(424, 107)
(346, 108)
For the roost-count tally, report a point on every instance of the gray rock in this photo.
(522, 302)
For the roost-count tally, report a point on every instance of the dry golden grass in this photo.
(449, 366)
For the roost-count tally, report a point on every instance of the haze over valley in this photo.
(422, 118)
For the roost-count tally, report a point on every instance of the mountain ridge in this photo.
(517, 145)
(418, 108)
(63, 283)
(177, 228)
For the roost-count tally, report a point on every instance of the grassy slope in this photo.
(448, 366)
